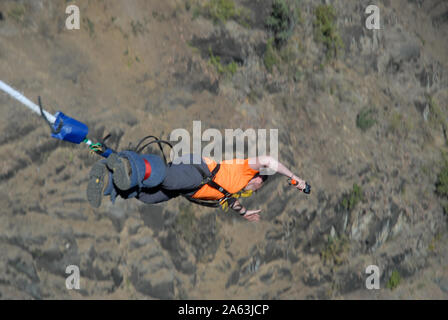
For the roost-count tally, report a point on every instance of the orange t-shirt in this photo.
(232, 176)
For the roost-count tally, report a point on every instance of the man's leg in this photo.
(131, 170)
(122, 170)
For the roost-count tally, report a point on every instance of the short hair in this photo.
(263, 177)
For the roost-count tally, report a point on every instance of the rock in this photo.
(152, 216)
(316, 279)
(223, 45)
(180, 253)
(100, 262)
(17, 271)
(151, 271)
(333, 232)
(155, 283)
(350, 281)
(117, 213)
(272, 252)
(443, 284)
(233, 279)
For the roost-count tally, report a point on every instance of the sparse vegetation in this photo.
(228, 69)
(394, 280)
(399, 125)
(442, 178)
(335, 250)
(270, 56)
(185, 223)
(352, 198)
(193, 48)
(17, 13)
(254, 95)
(220, 11)
(366, 118)
(436, 116)
(326, 32)
(130, 57)
(158, 16)
(90, 26)
(395, 122)
(138, 28)
(432, 247)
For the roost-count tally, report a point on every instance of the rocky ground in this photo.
(144, 67)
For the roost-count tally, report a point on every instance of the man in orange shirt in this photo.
(149, 179)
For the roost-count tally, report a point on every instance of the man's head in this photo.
(256, 182)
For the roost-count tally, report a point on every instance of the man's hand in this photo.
(252, 215)
(301, 184)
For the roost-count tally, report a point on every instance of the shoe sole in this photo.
(120, 176)
(95, 185)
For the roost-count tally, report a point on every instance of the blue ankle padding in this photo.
(158, 170)
(137, 165)
(137, 162)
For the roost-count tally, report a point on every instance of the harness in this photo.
(208, 179)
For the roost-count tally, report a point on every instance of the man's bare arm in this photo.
(251, 215)
(269, 163)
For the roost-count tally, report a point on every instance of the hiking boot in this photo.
(122, 171)
(99, 182)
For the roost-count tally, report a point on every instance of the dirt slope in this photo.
(143, 67)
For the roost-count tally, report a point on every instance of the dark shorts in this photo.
(181, 179)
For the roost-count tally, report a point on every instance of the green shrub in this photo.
(352, 198)
(280, 22)
(228, 69)
(394, 280)
(366, 118)
(270, 56)
(223, 10)
(232, 67)
(325, 30)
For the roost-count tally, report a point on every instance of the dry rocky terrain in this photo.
(366, 127)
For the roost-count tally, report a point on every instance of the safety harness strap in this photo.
(208, 179)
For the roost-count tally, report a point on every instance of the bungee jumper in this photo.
(151, 179)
